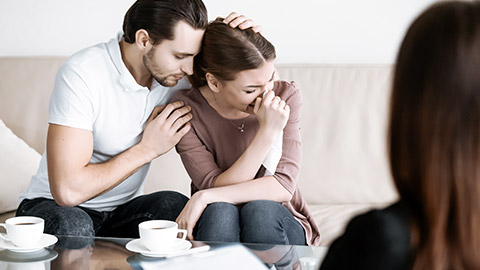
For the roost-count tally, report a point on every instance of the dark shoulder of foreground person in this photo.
(379, 239)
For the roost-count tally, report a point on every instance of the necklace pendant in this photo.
(242, 128)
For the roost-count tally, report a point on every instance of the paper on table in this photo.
(230, 257)
(190, 251)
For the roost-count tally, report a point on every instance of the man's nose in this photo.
(187, 66)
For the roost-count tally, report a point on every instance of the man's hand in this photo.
(234, 20)
(165, 127)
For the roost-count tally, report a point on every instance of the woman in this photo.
(243, 122)
(434, 141)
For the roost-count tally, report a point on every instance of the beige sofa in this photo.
(344, 171)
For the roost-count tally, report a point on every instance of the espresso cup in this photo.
(159, 235)
(23, 231)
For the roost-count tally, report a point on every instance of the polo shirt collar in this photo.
(126, 78)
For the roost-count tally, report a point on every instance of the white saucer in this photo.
(38, 256)
(138, 247)
(45, 241)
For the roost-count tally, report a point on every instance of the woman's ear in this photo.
(213, 82)
(142, 40)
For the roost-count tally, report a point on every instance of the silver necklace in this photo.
(240, 128)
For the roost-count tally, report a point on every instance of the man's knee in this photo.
(165, 204)
(69, 221)
(58, 220)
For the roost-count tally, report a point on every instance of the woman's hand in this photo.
(272, 112)
(191, 213)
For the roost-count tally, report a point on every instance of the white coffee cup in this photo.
(24, 231)
(159, 235)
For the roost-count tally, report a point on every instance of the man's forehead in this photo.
(186, 39)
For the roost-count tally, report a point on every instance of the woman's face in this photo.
(240, 94)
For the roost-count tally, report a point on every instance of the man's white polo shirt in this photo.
(95, 91)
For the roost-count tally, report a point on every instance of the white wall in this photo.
(303, 31)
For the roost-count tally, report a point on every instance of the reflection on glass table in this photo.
(111, 253)
(35, 260)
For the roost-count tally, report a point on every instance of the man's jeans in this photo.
(121, 222)
(260, 221)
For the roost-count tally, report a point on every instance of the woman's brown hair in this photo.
(227, 51)
(434, 135)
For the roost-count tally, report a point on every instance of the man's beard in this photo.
(164, 81)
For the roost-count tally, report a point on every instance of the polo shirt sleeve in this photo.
(72, 101)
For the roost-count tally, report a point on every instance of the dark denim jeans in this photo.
(266, 222)
(121, 222)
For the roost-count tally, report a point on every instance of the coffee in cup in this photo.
(23, 231)
(160, 235)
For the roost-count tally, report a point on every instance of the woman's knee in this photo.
(264, 222)
(219, 222)
(220, 215)
(262, 211)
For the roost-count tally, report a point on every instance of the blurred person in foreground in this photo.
(434, 149)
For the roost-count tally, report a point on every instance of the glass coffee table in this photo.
(110, 253)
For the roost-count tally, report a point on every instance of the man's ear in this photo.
(142, 40)
(213, 82)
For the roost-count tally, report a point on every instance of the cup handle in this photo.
(1, 235)
(183, 232)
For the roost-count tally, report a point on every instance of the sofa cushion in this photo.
(18, 162)
(5, 216)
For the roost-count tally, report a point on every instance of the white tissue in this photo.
(273, 157)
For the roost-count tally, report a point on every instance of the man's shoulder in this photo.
(91, 57)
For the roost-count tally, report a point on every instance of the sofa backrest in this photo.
(343, 126)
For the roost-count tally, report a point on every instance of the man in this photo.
(108, 121)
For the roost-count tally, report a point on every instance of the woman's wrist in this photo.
(267, 134)
(201, 197)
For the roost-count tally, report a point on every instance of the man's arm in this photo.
(73, 180)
